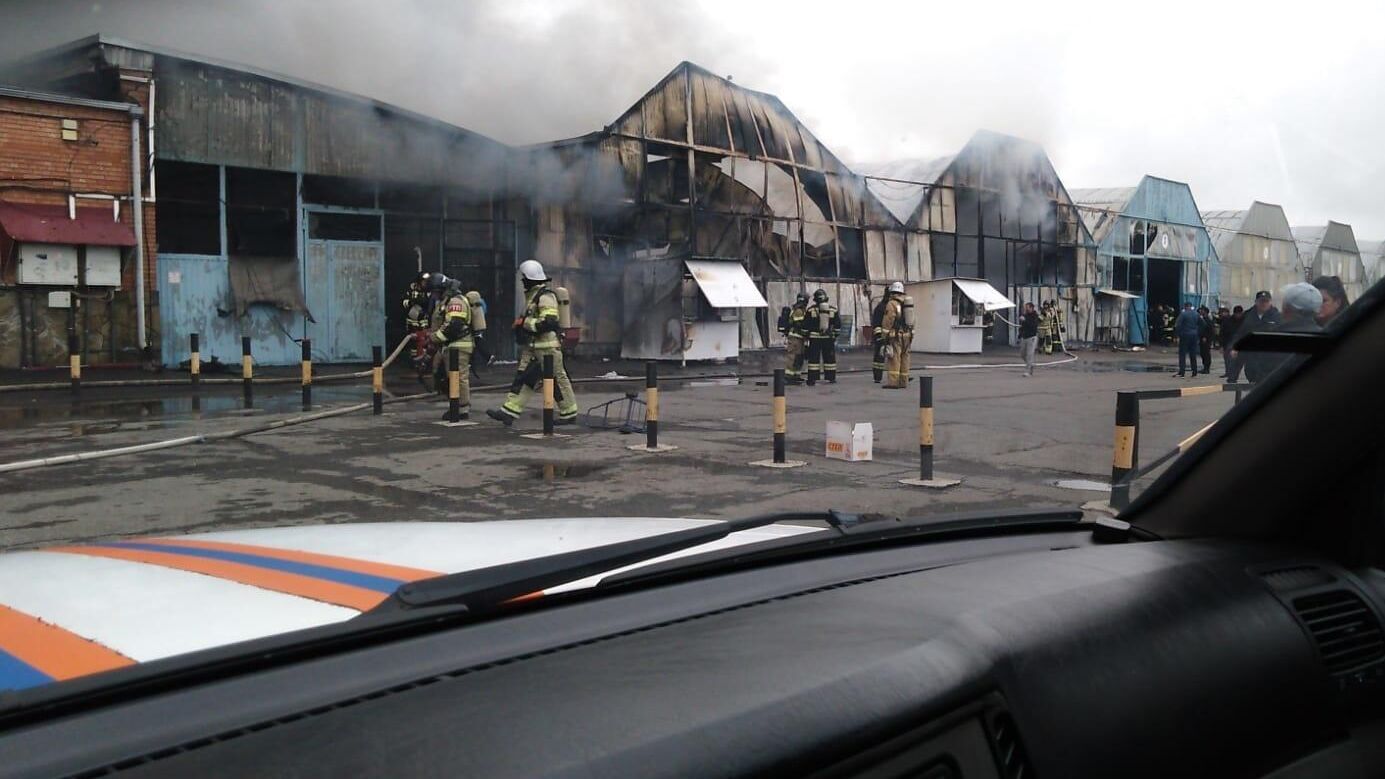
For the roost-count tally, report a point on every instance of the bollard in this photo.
(195, 362)
(454, 386)
(74, 362)
(307, 374)
(377, 380)
(926, 476)
(651, 405)
(548, 403)
(781, 427)
(247, 371)
(1123, 458)
(925, 428)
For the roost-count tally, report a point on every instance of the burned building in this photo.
(697, 169)
(1255, 251)
(1331, 250)
(997, 211)
(1152, 250)
(284, 209)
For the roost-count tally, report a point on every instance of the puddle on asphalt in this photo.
(1081, 484)
(95, 417)
(556, 471)
(1148, 367)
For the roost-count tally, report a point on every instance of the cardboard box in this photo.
(847, 441)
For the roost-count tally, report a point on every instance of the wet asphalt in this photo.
(1014, 442)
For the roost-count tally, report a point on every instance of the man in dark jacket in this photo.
(1230, 323)
(1205, 330)
(1029, 337)
(1302, 304)
(1185, 327)
(1264, 316)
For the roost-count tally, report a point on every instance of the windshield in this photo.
(297, 314)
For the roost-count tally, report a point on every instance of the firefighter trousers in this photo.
(877, 361)
(822, 359)
(463, 367)
(529, 379)
(897, 366)
(793, 356)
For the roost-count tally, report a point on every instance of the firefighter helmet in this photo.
(898, 286)
(820, 296)
(802, 299)
(531, 270)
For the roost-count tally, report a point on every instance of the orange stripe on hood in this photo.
(352, 597)
(54, 651)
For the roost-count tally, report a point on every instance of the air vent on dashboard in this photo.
(1346, 631)
(1299, 577)
(1014, 764)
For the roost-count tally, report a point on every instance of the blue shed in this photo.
(1152, 250)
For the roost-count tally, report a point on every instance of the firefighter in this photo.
(417, 302)
(795, 349)
(537, 333)
(877, 316)
(897, 331)
(453, 332)
(823, 324)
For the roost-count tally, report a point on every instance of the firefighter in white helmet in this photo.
(453, 330)
(897, 332)
(537, 331)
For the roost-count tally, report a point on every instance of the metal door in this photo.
(346, 296)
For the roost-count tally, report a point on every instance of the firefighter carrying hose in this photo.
(795, 349)
(537, 332)
(823, 326)
(454, 332)
(417, 303)
(897, 328)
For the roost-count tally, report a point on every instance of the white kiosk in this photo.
(948, 314)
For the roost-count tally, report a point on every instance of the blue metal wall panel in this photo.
(194, 290)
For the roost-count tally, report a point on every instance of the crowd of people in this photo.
(1306, 308)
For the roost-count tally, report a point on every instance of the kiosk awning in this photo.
(983, 293)
(725, 284)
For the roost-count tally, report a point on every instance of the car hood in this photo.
(69, 611)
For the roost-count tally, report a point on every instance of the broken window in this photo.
(189, 210)
(851, 253)
(1120, 273)
(968, 207)
(407, 199)
(338, 191)
(943, 248)
(327, 226)
(968, 257)
(260, 206)
(815, 194)
(665, 174)
(1137, 237)
(729, 185)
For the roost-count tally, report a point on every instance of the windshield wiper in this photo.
(488, 587)
(872, 531)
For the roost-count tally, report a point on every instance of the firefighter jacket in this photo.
(415, 303)
(892, 324)
(877, 318)
(813, 320)
(539, 328)
(797, 325)
(452, 323)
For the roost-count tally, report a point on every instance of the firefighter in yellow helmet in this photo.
(537, 333)
(823, 326)
(897, 331)
(795, 345)
(452, 331)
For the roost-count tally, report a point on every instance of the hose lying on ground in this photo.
(57, 385)
(63, 459)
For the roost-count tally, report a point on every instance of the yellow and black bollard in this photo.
(307, 374)
(781, 428)
(651, 405)
(195, 361)
(74, 362)
(926, 476)
(247, 371)
(548, 400)
(651, 412)
(377, 380)
(1124, 457)
(454, 386)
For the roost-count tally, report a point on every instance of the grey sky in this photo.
(1281, 103)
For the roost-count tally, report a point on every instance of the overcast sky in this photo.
(1244, 101)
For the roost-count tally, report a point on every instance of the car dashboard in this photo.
(1043, 654)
